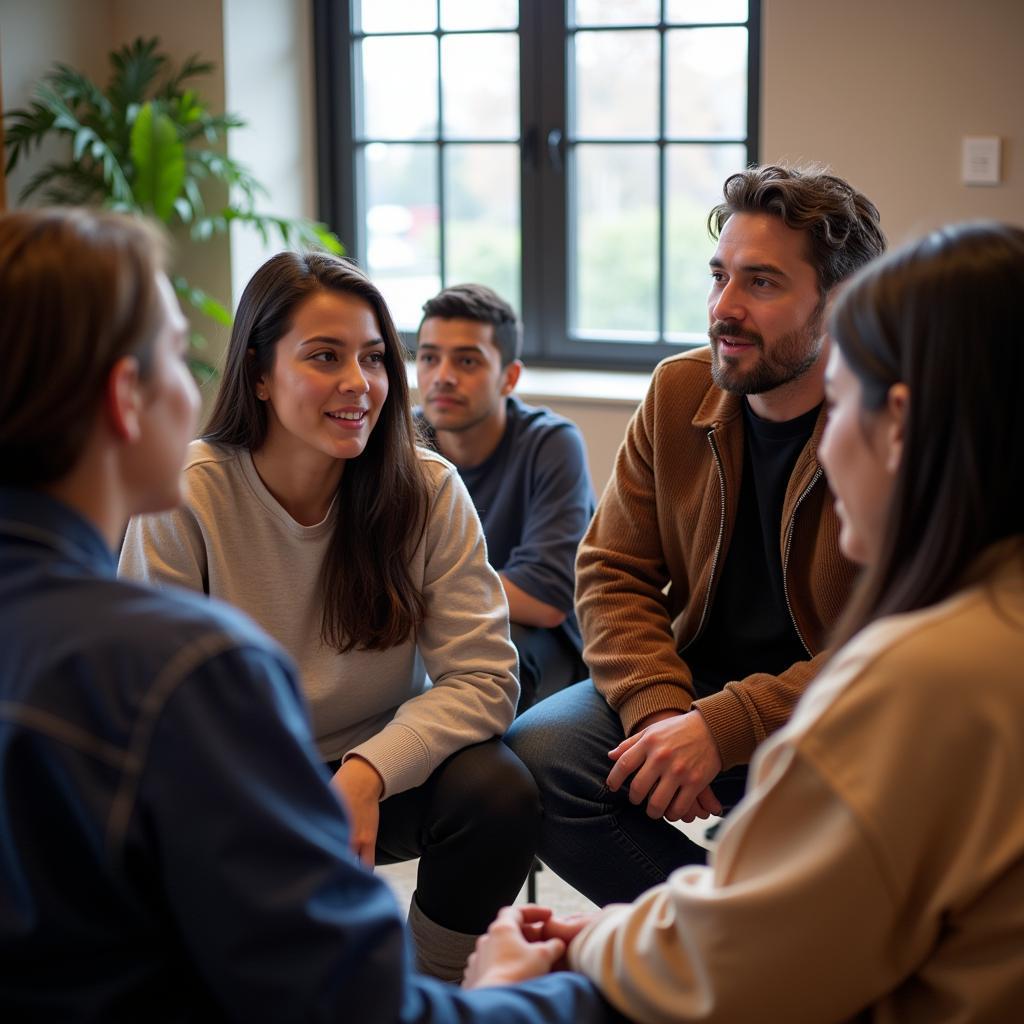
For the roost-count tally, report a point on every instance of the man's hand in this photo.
(516, 947)
(361, 788)
(674, 760)
(703, 807)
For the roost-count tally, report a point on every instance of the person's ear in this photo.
(897, 405)
(510, 376)
(259, 384)
(124, 400)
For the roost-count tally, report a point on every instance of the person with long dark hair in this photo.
(311, 508)
(875, 868)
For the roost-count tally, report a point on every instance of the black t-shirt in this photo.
(749, 627)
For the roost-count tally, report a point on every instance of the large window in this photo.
(567, 154)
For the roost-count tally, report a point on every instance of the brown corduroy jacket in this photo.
(649, 563)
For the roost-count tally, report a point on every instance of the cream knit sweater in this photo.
(233, 540)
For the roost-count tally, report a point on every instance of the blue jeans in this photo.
(599, 842)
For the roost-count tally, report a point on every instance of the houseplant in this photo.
(148, 144)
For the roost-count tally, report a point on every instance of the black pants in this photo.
(474, 825)
(548, 662)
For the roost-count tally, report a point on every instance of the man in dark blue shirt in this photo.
(170, 846)
(525, 469)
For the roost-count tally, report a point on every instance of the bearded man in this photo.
(711, 574)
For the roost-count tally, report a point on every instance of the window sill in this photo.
(553, 384)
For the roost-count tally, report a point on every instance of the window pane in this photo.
(480, 77)
(397, 16)
(695, 175)
(707, 82)
(615, 251)
(400, 87)
(689, 11)
(402, 252)
(482, 217)
(616, 93)
(615, 12)
(456, 14)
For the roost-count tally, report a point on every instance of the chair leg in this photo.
(531, 880)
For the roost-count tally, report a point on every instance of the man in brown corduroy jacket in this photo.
(710, 576)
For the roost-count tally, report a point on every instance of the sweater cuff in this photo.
(730, 726)
(400, 757)
(657, 697)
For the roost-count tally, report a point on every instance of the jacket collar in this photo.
(719, 407)
(35, 519)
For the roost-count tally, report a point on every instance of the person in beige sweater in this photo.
(711, 572)
(310, 508)
(875, 869)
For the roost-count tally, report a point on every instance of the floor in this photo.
(551, 890)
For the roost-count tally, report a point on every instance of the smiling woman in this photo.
(323, 396)
(311, 508)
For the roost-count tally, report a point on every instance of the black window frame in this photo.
(545, 39)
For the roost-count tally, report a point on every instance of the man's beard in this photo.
(791, 357)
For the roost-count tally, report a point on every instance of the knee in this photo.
(495, 788)
(543, 736)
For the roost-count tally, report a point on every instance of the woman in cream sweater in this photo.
(875, 868)
(310, 507)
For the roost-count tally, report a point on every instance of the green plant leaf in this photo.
(65, 121)
(135, 67)
(293, 231)
(68, 183)
(25, 129)
(204, 302)
(159, 158)
(192, 68)
(202, 371)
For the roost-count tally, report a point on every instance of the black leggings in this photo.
(474, 825)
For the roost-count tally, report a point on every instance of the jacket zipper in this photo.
(721, 536)
(785, 558)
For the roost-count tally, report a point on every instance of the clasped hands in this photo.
(672, 757)
(521, 943)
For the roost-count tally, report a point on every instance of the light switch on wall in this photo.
(981, 157)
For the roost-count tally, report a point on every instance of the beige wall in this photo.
(34, 34)
(883, 91)
(268, 71)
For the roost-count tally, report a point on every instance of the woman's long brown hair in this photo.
(369, 599)
(942, 316)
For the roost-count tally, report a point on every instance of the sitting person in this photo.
(170, 846)
(525, 469)
(310, 508)
(875, 868)
(711, 574)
